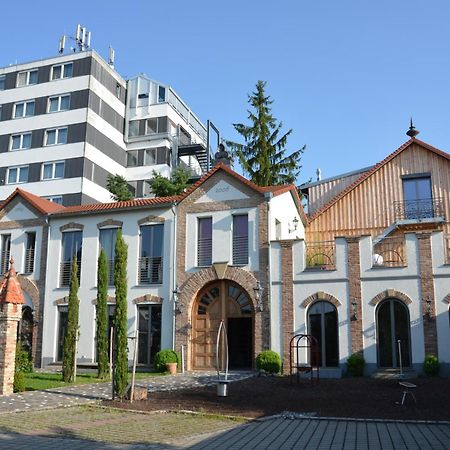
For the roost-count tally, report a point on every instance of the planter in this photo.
(171, 368)
(222, 388)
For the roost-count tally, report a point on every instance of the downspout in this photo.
(174, 274)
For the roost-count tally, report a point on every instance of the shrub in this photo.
(269, 361)
(355, 365)
(19, 381)
(431, 365)
(23, 360)
(163, 357)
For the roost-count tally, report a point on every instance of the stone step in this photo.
(394, 374)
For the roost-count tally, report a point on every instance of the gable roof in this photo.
(43, 205)
(374, 169)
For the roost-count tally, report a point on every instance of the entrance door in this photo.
(323, 326)
(418, 198)
(149, 326)
(222, 300)
(392, 327)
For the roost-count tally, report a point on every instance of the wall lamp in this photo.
(258, 296)
(293, 225)
(177, 307)
(428, 308)
(354, 310)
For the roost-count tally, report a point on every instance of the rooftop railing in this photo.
(419, 209)
(321, 255)
(389, 252)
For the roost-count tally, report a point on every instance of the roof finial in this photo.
(412, 132)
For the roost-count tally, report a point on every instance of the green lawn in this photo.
(38, 381)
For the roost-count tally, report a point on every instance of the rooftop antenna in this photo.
(111, 57)
(62, 44)
(83, 38)
(412, 132)
(318, 174)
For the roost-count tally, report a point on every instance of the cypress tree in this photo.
(263, 155)
(71, 335)
(120, 321)
(102, 316)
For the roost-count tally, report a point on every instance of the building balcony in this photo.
(321, 255)
(389, 252)
(419, 210)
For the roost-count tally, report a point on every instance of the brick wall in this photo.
(427, 290)
(10, 315)
(354, 291)
(287, 300)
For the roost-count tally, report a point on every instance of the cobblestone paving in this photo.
(88, 393)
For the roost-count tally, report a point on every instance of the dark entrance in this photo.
(149, 325)
(323, 326)
(25, 330)
(239, 335)
(392, 327)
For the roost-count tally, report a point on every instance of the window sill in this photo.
(402, 266)
(320, 269)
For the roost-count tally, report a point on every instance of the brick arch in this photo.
(31, 289)
(390, 293)
(71, 226)
(110, 223)
(189, 290)
(320, 296)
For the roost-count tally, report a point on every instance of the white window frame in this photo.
(53, 164)
(24, 114)
(57, 130)
(59, 97)
(27, 79)
(19, 168)
(55, 199)
(21, 142)
(62, 65)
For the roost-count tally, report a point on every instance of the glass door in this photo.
(149, 326)
(417, 198)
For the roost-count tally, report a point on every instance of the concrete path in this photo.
(88, 393)
(283, 433)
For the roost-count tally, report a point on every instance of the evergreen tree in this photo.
(120, 321)
(165, 187)
(263, 155)
(71, 334)
(118, 186)
(102, 316)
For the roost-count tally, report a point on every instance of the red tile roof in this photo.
(43, 205)
(375, 168)
(10, 290)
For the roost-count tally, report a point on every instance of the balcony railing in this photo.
(204, 252)
(29, 260)
(4, 261)
(65, 269)
(447, 248)
(240, 250)
(321, 255)
(150, 270)
(419, 209)
(390, 252)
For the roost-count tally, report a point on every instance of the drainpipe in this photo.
(174, 273)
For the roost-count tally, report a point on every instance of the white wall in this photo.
(283, 209)
(87, 292)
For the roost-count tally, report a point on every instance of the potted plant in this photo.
(167, 360)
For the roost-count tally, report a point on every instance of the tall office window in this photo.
(108, 238)
(151, 254)
(71, 247)
(30, 252)
(240, 239)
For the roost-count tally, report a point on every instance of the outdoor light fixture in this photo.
(177, 308)
(355, 309)
(428, 307)
(258, 296)
(293, 225)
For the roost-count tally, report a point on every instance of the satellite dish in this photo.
(377, 260)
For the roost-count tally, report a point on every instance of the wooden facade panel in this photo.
(369, 208)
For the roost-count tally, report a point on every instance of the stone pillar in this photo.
(10, 314)
(287, 300)
(354, 291)
(427, 290)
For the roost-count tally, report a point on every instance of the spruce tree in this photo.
(263, 155)
(71, 334)
(102, 316)
(120, 321)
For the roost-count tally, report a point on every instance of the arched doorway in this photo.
(392, 317)
(25, 330)
(323, 325)
(222, 300)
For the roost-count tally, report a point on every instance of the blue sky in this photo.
(345, 75)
